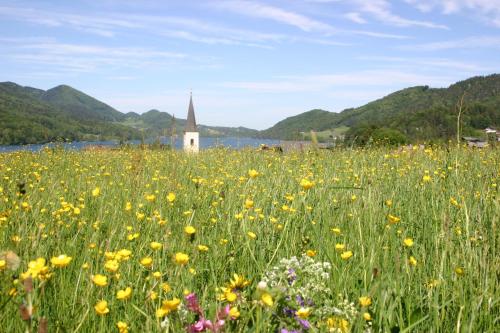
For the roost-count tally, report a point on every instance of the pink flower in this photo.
(200, 326)
(192, 304)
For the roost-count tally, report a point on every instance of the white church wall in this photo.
(191, 142)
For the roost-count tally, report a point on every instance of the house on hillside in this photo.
(491, 132)
(475, 142)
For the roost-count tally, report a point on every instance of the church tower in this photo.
(191, 134)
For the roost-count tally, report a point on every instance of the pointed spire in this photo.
(191, 121)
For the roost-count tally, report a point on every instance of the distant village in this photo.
(492, 134)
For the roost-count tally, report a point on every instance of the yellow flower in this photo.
(459, 271)
(101, 308)
(161, 312)
(155, 245)
(96, 192)
(3, 264)
(267, 299)
(336, 231)
(303, 313)
(181, 258)
(365, 301)
(37, 269)
(338, 324)
(238, 282)
(426, 178)
(234, 313)
(251, 235)
(60, 261)
(124, 294)
(189, 230)
(408, 242)
(122, 327)
(367, 316)
(306, 184)
(147, 262)
(100, 280)
(339, 247)
(346, 255)
(310, 253)
(168, 306)
(393, 219)
(171, 197)
(166, 287)
(248, 203)
(172, 304)
(227, 295)
(202, 248)
(252, 173)
(412, 261)
(124, 254)
(128, 206)
(150, 197)
(111, 266)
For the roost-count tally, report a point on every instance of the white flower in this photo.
(262, 285)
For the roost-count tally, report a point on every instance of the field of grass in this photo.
(245, 241)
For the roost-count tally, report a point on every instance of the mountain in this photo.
(31, 115)
(157, 123)
(26, 117)
(292, 127)
(80, 105)
(417, 112)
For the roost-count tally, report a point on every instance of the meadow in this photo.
(352, 240)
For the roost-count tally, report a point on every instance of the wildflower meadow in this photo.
(349, 240)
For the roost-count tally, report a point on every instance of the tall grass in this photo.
(446, 201)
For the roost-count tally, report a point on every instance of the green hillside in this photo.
(292, 128)
(418, 113)
(156, 123)
(25, 117)
(80, 105)
(30, 115)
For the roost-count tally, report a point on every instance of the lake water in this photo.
(231, 142)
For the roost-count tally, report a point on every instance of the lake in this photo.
(205, 142)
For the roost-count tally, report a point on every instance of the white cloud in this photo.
(355, 17)
(465, 43)
(486, 10)
(434, 63)
(381, 10)
(263, 11)
(86, 58)
(314, 83)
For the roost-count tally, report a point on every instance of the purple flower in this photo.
(305, 324)
(192, 304)
(291, 276)
(284, 330)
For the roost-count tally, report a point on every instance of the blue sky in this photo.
(249, 63)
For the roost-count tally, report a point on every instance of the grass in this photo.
(367, 201)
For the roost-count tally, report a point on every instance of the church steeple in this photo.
(191, 120)
(191, 134)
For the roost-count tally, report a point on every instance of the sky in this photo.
(247, 63)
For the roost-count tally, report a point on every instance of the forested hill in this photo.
(30, 115)
(417, 113)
